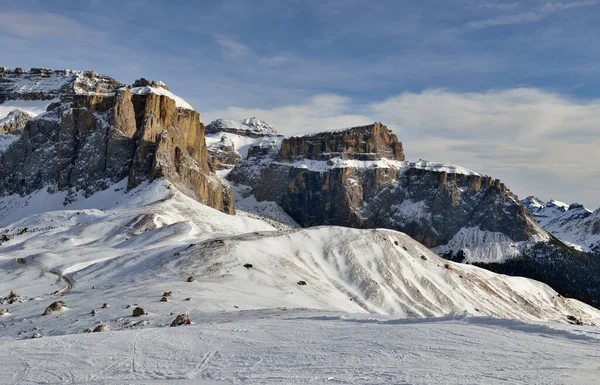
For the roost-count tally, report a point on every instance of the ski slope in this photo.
(302, 347)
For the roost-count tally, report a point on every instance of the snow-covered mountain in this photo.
(228, 140)
(573, 224)
(128, 248)
(112, 200)
(251, 127)
(90, 131)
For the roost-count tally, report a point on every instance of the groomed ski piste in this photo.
(317, 305)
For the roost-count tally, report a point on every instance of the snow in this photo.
(441, 167)
(487, 246)
(299, 347)
(573, 224)
(252, 125)
(6, 140)
(325, 165)
(383, 303)
(32, 107)
(241, 143)
(179, 102)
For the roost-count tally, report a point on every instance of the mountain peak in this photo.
(252, 127)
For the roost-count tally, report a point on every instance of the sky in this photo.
(509, 89)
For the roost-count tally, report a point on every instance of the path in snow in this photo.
(68, 284)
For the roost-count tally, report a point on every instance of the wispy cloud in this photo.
(231, 47)
(528, 16)
(30, 25)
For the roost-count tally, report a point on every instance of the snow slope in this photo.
(291, 347)
(573, 224)
(179, 102)
(258, 324)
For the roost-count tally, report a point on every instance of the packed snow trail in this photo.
(67, 282)
(297, 347)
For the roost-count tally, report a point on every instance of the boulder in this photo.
(138, 312)
(54, 306)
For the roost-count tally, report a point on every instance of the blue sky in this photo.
(507, 88)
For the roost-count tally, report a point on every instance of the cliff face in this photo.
(358, 178)
(97, 132)
(362, 143)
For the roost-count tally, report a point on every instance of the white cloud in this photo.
(319, 113)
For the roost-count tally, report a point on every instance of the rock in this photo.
(248, 265)
(36, 335)
(101, 328)
(188, 299)
(102, 133)
(164, 299)
(302, 283)
(222, 155)
(93, 312)
(54, 306)
(191, 279)
(88, 330)
(251, 127)
(4, 311)
(167, 294)
(330, 179)
(105, 306)
(138, 311)
(181, 319)
(14, 122)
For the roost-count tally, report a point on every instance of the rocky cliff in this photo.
(95, 132)
(358, 178)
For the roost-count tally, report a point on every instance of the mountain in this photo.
(228, 140)
(115, 225)
(358, 178)
(90, 131)
(130, 247)
(250, 127)
(573, 224)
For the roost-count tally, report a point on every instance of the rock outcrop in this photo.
(371, 142)
(229, 140)
(97, 132)
(251, 127)
(358, 178)
(14, 122)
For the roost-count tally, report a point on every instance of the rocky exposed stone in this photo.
(138, 312)
(54, 306)
(14, 122)
(100, 134)
(370, 142)
(222, 155)
(101, 328)
(317, 181)
(180, 320)
(251, 127)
